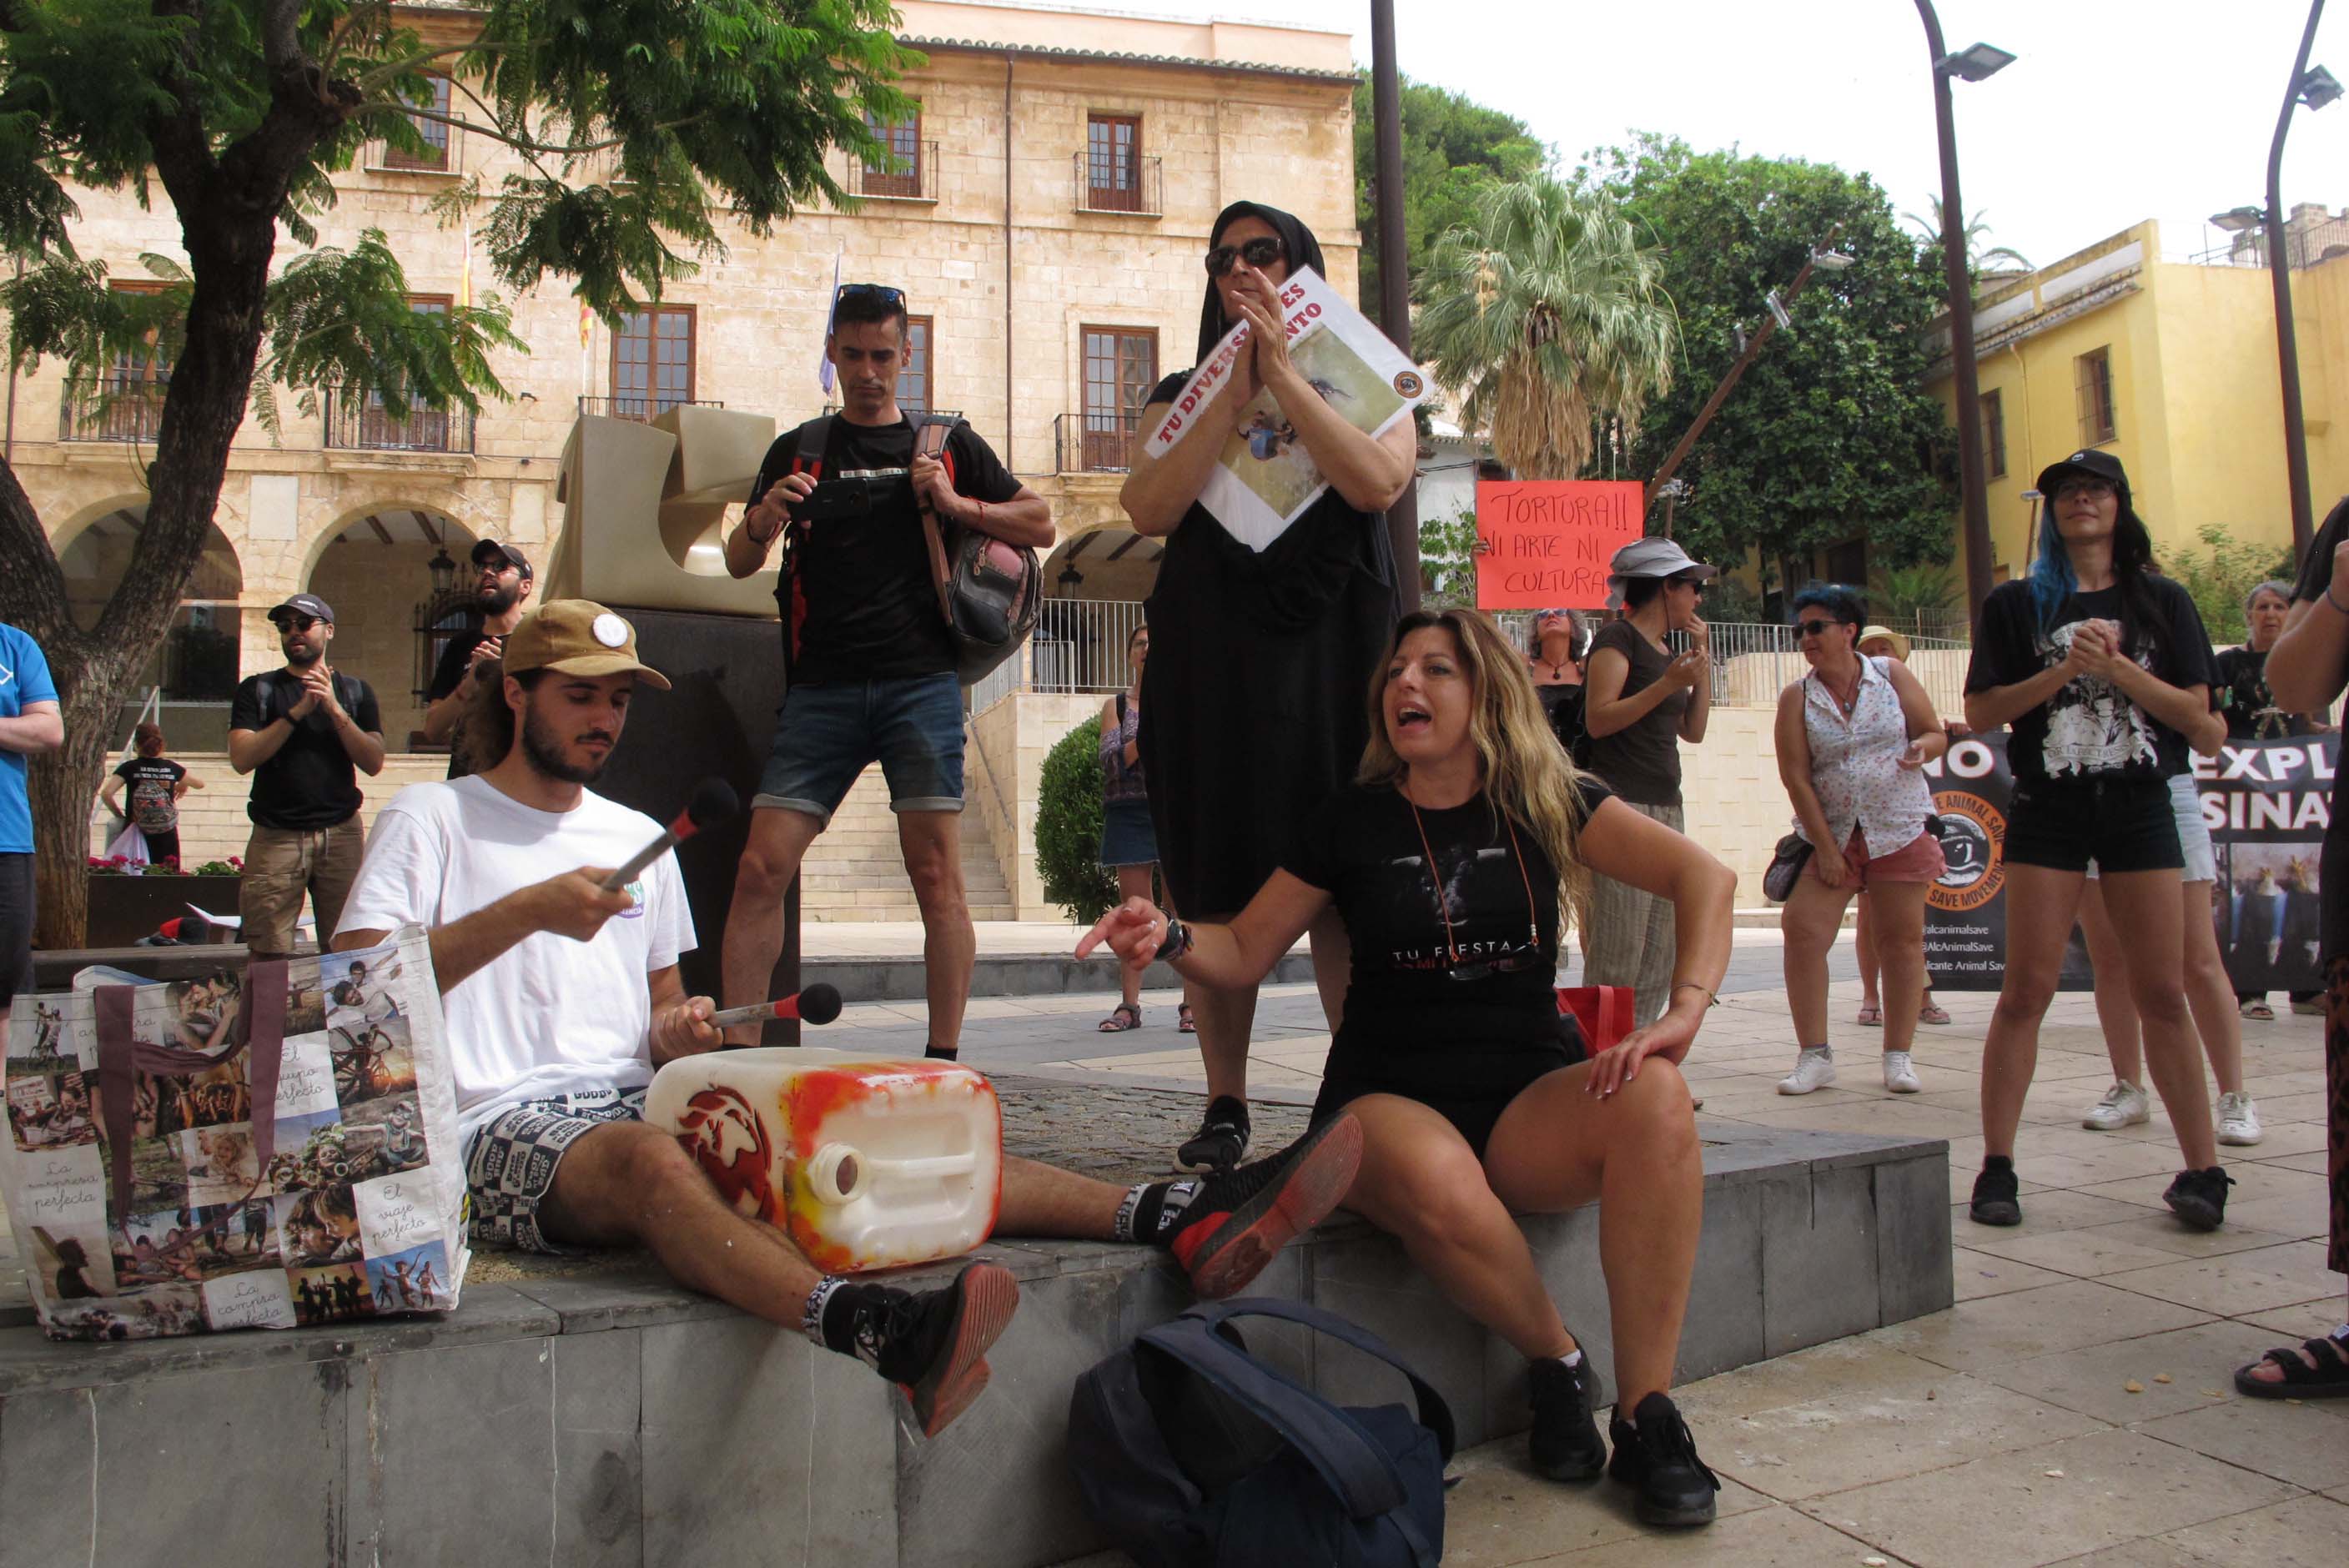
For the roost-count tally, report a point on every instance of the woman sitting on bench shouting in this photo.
(1449, 859)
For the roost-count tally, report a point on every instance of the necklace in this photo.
(1443, 909)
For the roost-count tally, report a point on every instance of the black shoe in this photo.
(1222, 1138)
(1239, 1219)
(932, 1345)
(2199, 1197)
(1564, 1442)
(1995, 1197)
(1658, 1455)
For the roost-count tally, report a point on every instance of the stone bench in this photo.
(589, 1412)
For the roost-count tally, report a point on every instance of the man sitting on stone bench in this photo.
(561, 999)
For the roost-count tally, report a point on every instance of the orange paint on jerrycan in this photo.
(864, 1164)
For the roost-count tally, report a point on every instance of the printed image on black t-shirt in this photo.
(152, 801)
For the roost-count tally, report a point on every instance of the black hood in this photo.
(1304, 251)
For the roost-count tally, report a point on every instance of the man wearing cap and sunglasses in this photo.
(502, 593)
(305, 733)
(872, 666)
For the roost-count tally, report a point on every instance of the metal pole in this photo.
(1394, 271)
(1972, 482)
(2295, 434)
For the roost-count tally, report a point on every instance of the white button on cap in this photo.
(610, 630)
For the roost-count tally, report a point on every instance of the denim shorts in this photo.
(827, 735)
(2121, 824)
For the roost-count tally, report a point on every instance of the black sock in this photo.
(933, 1052)
(1998, 1162)
(1153, 1208)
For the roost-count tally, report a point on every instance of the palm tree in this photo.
(1547, 315)
(1978, 261)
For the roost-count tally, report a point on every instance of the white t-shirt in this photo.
(549, 1016)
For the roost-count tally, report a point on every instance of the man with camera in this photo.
(871, 664)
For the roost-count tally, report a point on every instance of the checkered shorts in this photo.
(510, 1168)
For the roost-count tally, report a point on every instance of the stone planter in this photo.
(124, 909)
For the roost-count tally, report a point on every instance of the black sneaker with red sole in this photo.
(933, 1344)
(1242, 1218)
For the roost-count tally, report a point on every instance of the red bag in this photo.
(1603, 1011)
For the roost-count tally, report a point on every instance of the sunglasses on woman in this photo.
(1259, 252)
(1812, 628)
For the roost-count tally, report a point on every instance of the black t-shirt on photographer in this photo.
(311, 783)
(861, 602)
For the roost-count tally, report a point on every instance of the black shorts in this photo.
(15, 926)
(1470, 1093)
(2121, 824)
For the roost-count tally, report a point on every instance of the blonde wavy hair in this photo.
(1526, 772)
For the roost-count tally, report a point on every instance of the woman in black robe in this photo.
(1253, 698)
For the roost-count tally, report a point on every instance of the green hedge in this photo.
(1069, 827)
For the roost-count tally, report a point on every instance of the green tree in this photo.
(640, 122)
(1069, 827)
(1453, 147)
(1548, 314)
(1447, 559)
(1831, 434)
(2222, 575)
(1996, 258)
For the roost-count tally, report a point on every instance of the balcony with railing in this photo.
(642, 407)
(442, 153)
(360, 422)
(126, 407)
(1092, 443)
(911, 176)
(1078, 646)
(1133, 185)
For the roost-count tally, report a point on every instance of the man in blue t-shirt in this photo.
(30, 721)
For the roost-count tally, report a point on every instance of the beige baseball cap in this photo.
(576, 637)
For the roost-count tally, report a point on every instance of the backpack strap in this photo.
(809, 457)
(930, 433)
(1433, 1413)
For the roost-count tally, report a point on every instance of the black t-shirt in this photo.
(1642, 760)
(2241, 693)
(312, 782)
(2088, 731)
(2333, 870)
(152, 801)
(1364, 847)
(447, 677)
(861, 604)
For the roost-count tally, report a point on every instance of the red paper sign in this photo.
(1546, 543)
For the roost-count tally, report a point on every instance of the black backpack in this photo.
(1189, 1451)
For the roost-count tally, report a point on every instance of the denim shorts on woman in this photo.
(2121, 824)
(827, 735)
(2193, 833)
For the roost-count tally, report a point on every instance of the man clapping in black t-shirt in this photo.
(502, 595)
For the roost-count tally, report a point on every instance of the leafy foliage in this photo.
(2222, 575)
(1548, 314)
(1978, 259)
(1912, 592)
(1447, 560)
(1830, 434)
(1069, 827)
(1452, 149)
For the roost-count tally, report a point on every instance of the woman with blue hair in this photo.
(2101, 667)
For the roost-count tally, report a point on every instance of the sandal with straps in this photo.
(1870, 1017)
(2328, 1379)
(1184, 1023)
(1124, 1016)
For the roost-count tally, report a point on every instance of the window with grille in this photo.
(652, 362)
(1120, 366)
(2092, 384)
(423, 429)
(1112, 162)
(913, 372)
(901, 173)
(435, 132)
(1994, 434)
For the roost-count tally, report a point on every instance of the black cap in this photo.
(2087, 460)
(308, 604)
(503, 552)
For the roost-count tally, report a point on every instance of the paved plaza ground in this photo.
(2076, 1406)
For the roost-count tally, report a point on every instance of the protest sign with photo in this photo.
(1965, 911)
(1545, 543)
(1266, 478)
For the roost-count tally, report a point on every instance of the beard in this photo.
(497, 600)
(301, 656)
(543, 747)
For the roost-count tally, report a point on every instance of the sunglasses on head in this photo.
(882, 293)
(1259, 252)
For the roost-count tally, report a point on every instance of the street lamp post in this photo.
(1973, 64)
(1394, 270)
(2315, 88)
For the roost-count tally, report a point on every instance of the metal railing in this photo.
(1753, 663)
(1093, 442)
(2305, 245)
(642, 408)
(361, 423)
(1078, 646)
(443, 152)
(916, 182)
(1138, 189)
(112, 408)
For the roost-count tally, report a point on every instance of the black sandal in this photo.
(2328, 1379)
(1126, 1015)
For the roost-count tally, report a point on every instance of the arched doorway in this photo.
(400, 584)
(1095, 583)
(196, 666)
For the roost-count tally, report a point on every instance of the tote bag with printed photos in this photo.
(269, 1147)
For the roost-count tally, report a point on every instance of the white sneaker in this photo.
(1899, 1076)
(2238, 1120)
(1815, 1068)
(2124, 1105)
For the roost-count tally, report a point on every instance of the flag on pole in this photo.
(465, 277)
(824, 372)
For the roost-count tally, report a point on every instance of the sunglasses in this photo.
(882, 293)
(293, 622)
(1813, 628)
(1259, 252)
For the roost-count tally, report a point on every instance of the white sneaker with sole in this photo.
(1899, 1078)
(1815, 1068)
(2124, 1105)
(2238, 1120)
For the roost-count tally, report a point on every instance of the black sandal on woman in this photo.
(2328, 1378)
(1124, 1016)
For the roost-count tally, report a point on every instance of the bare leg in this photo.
(2041, 905)
(1333, 961)
(932, 843)
(2115, 1010)
(1133, 881)
(2150, 905)
(1042, 1200)
(1899, 916)
(1812, 917)
(754, 923)
(1637, 1152)
(2209, 994)
(1226, 1019)
(1866, 946)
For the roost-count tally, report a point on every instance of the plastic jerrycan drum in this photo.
(865, 1164)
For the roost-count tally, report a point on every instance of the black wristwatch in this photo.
(1176, 942)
